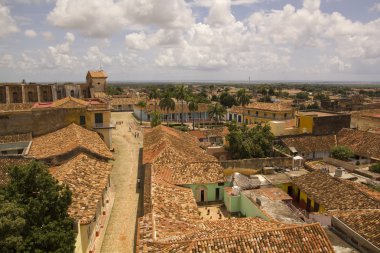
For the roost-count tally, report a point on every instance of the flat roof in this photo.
(277, 209)
(317, 113)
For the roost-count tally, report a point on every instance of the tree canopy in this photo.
(342, 153)
(33, 212)
(227, 100)
(244, 142)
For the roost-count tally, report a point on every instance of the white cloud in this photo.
(208, 3)
(48, 35)
(7, 61)
(30, 33)
(95, 57)
(375, 7)
(7, 23)
(101, 18)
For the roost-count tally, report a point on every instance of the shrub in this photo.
(375, 168)
(342, 153)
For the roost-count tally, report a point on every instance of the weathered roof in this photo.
(66, 140)
(15, 107)
(87, 177)
(334, 193)
(364, 222)
(124, 101)
(310, 144)
(16, 138)
(362, 143)
(97, 74)
(70, 102)
(277, 107)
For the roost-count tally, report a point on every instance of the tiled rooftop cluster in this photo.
(310, 144)
(366, 144)
(334, 193)
(16, 138)
(124, 101)
(69, 139)
(171, 222)
(276, 107)
(86, 177)
(366, 223)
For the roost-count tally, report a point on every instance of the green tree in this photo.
(167, 104)
(342, 153)
(155, 119)
(227, 100)
(142, 105)
(154, 94)
(302, 95)
(34, 209)
(243, 100)
(193, 106)
(248, 143)
(216, 112)
(271, 91)
(321, 96)
(375, 168)
(114, 90)
(265, 99)
(181, 96)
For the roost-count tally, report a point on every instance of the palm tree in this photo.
(154, 94)
(216, 112)
(193, 106)
(181, 95)
(142, 105)
(167, 104)
(243, 99)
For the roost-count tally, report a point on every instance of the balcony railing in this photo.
(104, 125)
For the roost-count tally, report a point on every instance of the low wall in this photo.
(258, 163)
(338, 163)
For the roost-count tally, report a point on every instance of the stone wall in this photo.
(38, 122)
(331, 124)
(338, 163)
(258, 163)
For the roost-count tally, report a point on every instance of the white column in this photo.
(38, 94)
(7, 95)
(23, 93)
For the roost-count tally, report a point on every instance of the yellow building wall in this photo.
(265, 116)
(306, 122)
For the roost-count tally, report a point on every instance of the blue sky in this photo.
(316, 40)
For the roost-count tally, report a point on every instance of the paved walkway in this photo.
(120, 233)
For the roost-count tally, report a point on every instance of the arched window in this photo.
(72, 93)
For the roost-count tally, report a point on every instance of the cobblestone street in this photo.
(120, 233)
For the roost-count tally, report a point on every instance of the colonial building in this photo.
(42, 118)
(261, 112)
(179, 176)
(31, 93)
(321, 123)
(200, 115)
(78, 158)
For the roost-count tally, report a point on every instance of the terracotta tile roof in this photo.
(362, 143)
(334, 193)
(185, 146)
(66, 140)
(15, 107)
(190, 173)
(364, 222)
(236, 109)
(171, 222)
(198, 133)
(365, 189)
(97, 74)
(124, 101)
(310, 144)
(87, 177)
(273, 193)
(277, 107)
(16, 138)
(5, 163)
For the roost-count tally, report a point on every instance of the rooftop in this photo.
(97, 74)
(317, 113)
(364, 222)
(87, 178)
(277, 107)
(67, 140)
(362, 143)
(334, 193)
(310, 144)
(16, 138)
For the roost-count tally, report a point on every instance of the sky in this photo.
(190, 40)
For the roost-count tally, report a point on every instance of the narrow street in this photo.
(120, 233)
